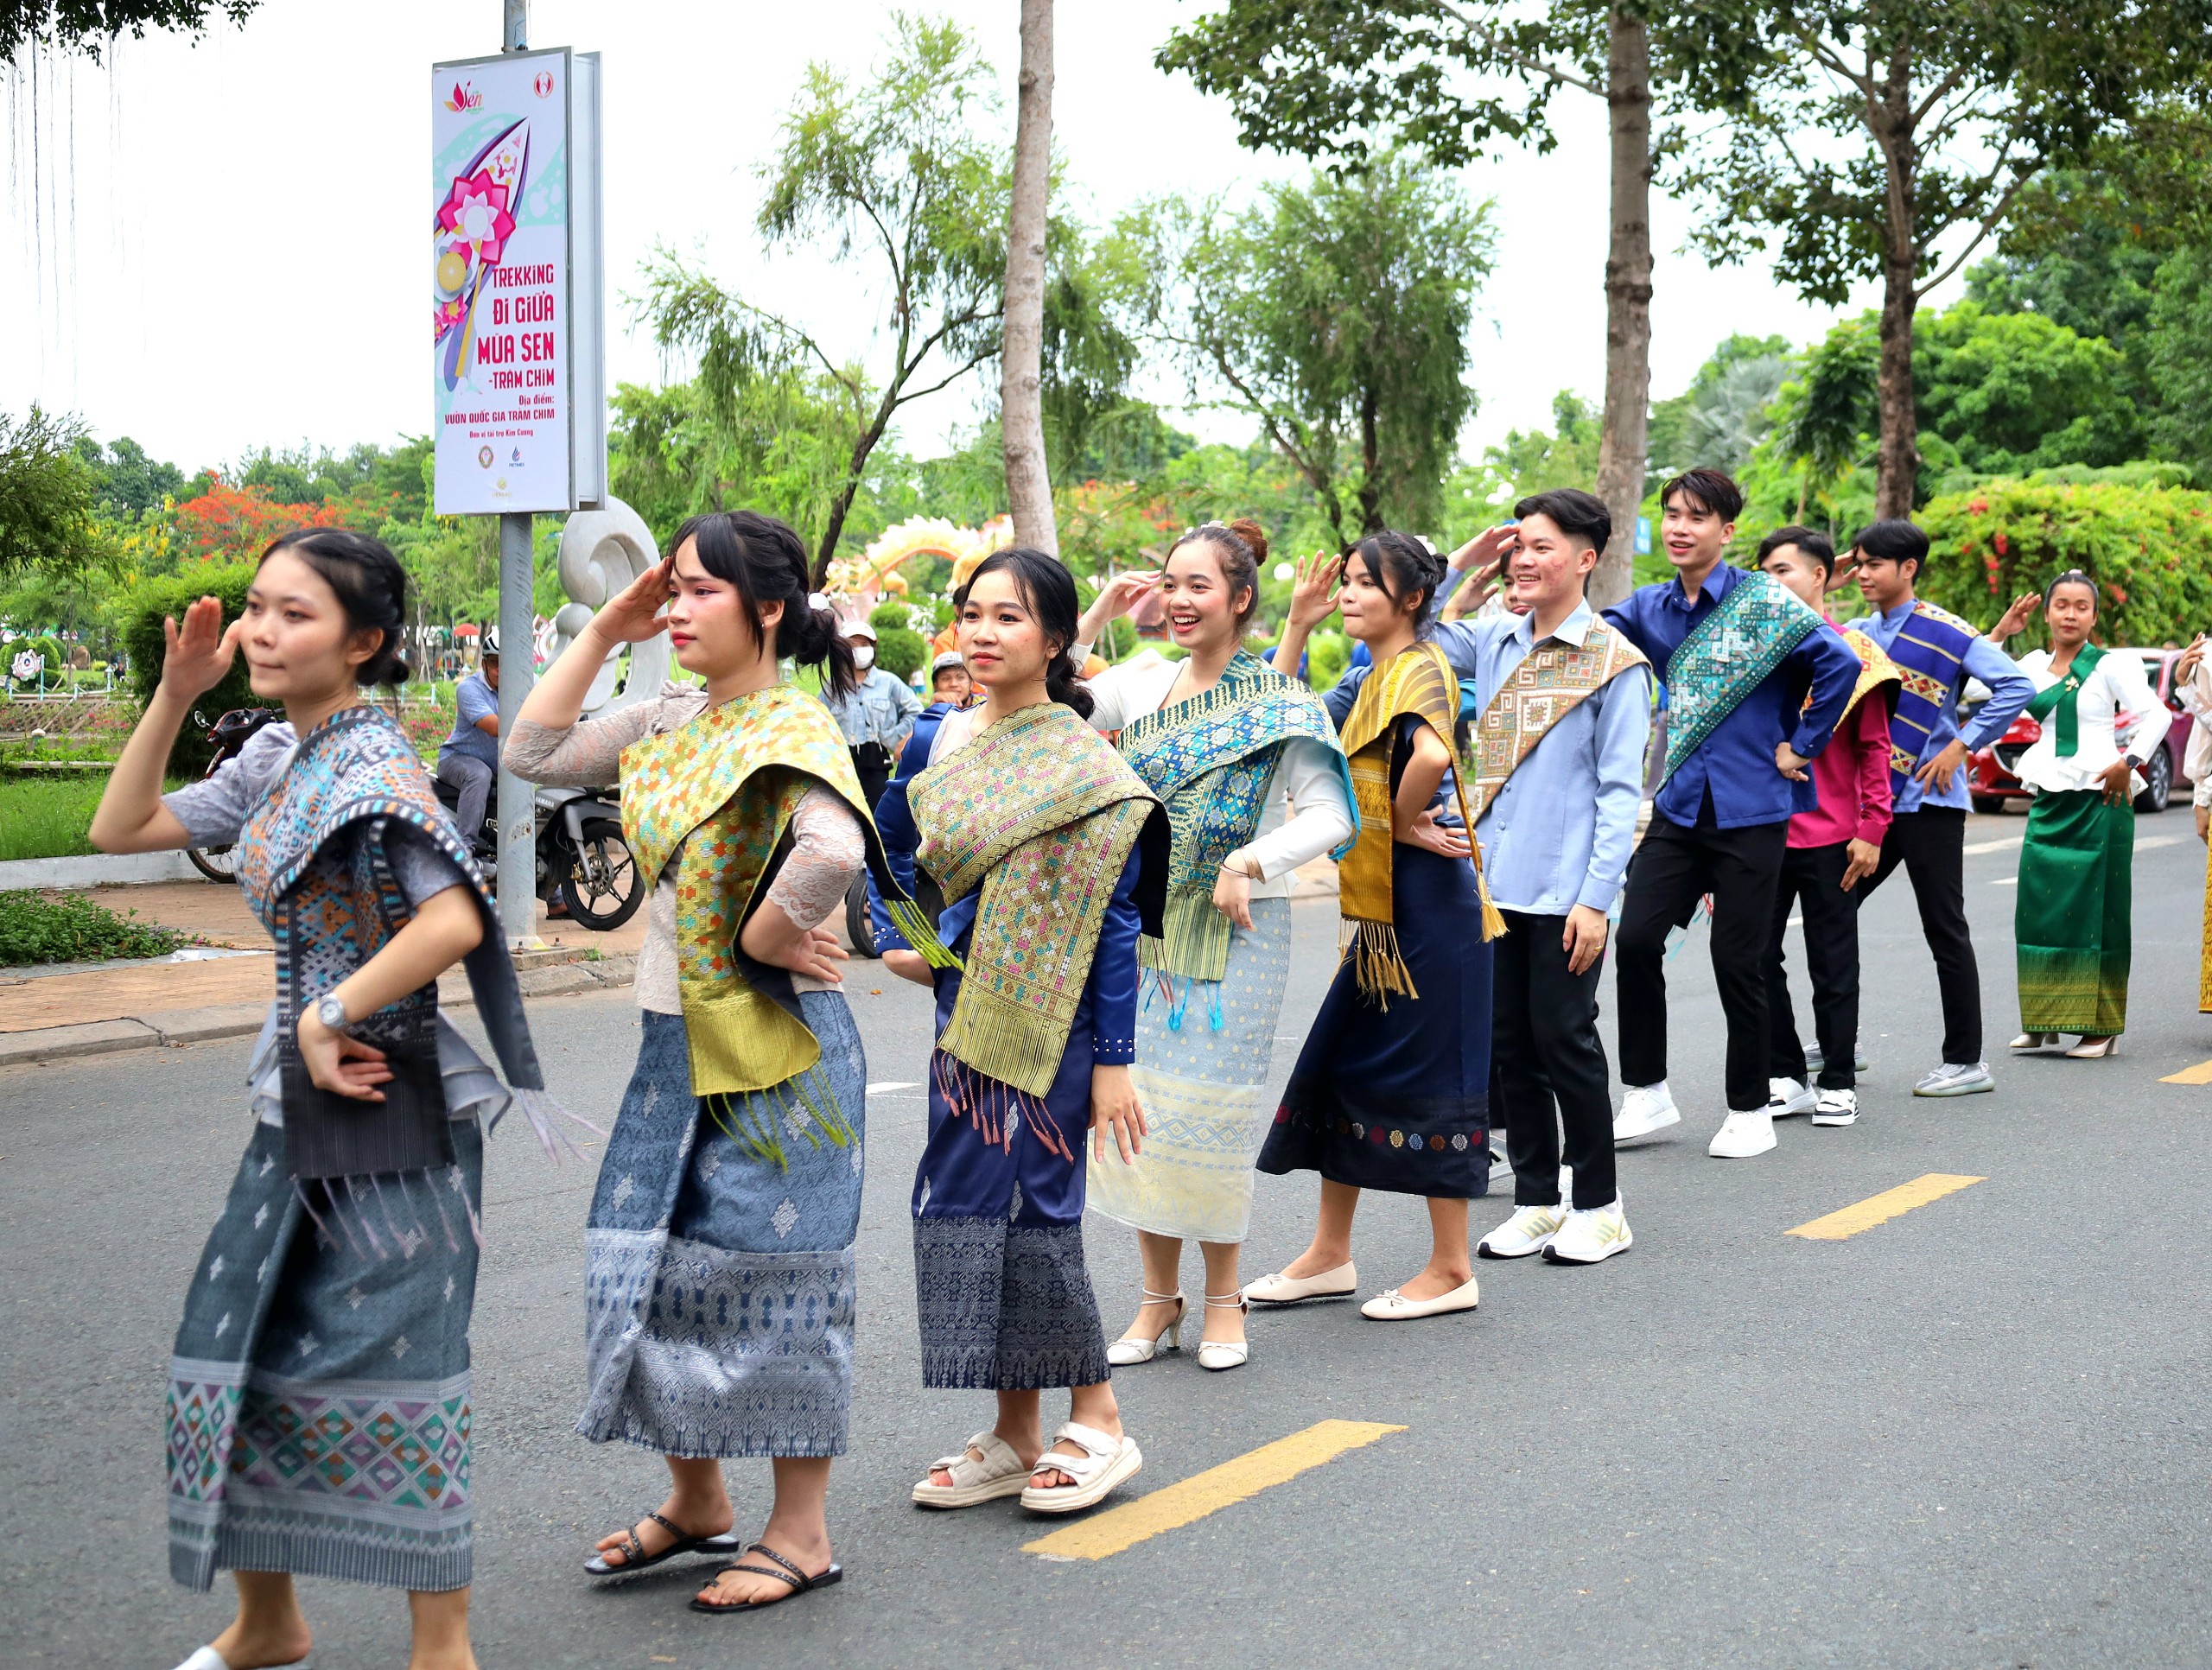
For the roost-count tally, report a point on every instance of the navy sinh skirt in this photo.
(1398, 1099)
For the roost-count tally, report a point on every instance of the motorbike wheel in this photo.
(2157, 782)
(603, 888)
(216, 863)
(858, 929)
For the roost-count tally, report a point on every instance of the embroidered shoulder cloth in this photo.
(1727, 655)
(1551, 681)
(1875, 670)
(2064, 699)
(1930, 653)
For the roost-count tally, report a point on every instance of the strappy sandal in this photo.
(1000, 1473)
(799, 1581)
(1131, 1348)
(1104, 1465)
(635, 1559)
(1223, 1354)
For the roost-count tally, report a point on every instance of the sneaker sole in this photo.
(1483, 1249)
(1620, 1246)
(1835, 1119)
(1675, 1118)
(1985, 1086)
(1789, 1109)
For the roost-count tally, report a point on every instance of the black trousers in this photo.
(871, 763)
(1931, 845)
(1674, 865)
(1548, 1064)
(1813, 876)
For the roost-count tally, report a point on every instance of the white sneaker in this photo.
(1591, 1237)
(1836, 1108)
(1816, 1058)
(1528, 1230)
(1645, 1109)
(1785, 1096)
(1956, 1079)
(1743, 1136)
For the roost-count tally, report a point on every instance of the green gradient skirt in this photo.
(2070, 922)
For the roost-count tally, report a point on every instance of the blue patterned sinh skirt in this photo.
(719, 1285)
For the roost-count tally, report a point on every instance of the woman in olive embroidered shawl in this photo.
(719, 1278)
(1391, 1090)
(1052, 856)
(319, 1405)
(1226, 741)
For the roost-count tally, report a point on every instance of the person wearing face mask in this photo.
(875, 715)
(2072, 915)
(718, 1254)
(1230, 745)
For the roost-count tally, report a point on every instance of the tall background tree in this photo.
(1021, 413)
(90, 26)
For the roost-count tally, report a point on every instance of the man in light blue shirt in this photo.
(469, 760)
(1926, 833)
(876, 717)
(1558, 776)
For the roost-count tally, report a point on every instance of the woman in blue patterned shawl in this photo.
(1230, 745)
(319, 1410)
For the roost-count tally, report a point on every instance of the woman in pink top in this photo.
(1830, 850)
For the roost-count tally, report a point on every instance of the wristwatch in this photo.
(330, 1010)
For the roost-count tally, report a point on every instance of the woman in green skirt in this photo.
(2100, 721)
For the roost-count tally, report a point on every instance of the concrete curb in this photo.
(95, 870)
(178, 1027)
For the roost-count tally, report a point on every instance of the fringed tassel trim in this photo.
(545, 1114)
(806, 1103)
(995, 1107)
(1493, 919)
(350, 1218)
(1378, 967)
(914, 927)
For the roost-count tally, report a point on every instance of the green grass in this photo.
(44, 815)
(70, 928)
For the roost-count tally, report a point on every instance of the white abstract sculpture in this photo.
(601, 552)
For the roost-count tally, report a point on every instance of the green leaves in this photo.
(47, 500)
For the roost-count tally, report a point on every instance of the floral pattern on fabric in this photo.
(1727, 655)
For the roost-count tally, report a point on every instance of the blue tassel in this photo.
(1182, 1002)
(1213, 1006)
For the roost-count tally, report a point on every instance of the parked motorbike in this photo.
(228, 736)
(582, 857)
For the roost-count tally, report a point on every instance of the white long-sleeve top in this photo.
(2116, 686)
(1304, 813)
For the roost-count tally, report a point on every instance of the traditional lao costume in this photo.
(1052, 856)
(319, 1405)
(1391, 1090)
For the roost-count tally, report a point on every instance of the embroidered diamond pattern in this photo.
(400, 1348)
(224, 1326)
(308, 1344)
(354, 1295)
(624, 1188)
(261, 1215)
(785, 1219)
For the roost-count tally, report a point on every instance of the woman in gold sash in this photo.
(1391, 1090)
(718, 1276)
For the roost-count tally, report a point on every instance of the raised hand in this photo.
(1488, 548)
(1314, 590)
(2017, 618)
(198, 655)
(639, 611)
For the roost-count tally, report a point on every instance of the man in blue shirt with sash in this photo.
(1937, 653)
(1737, 654)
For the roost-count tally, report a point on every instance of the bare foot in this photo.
(1434, 1283)
(267, 1645)
(1317, 1260)
(766, 1583)
(698, 1520)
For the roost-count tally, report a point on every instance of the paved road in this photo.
(1973, 1436)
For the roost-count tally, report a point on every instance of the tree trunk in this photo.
(1021, 413)
(1622, 439)
(1370, 464)
(1897, 467)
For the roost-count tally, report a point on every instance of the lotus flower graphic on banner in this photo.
(469, 234)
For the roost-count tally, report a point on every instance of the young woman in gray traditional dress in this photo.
(719, 1278)
(1230, 745)
(319, 1397)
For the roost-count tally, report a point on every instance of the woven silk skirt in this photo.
(1398, 1098)
(1201, 1073)
(2072, 919)
(718, 1281)
(318, 1401)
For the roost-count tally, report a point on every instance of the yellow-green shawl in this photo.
(723, 787)
(1419, 682)
(1040, 813)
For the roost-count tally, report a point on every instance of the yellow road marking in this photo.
(1209, 1492)
(2200, 1074)
(1880, 1208)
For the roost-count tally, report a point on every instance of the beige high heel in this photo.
(1127, 1352)
(2097, 1051)
(1220, 1354)
(2034, 1041)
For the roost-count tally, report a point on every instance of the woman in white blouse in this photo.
(2100, 721)
(1256, 785)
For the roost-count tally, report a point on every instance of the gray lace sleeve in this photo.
(588, 753)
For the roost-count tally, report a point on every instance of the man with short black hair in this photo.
(1737, 654)
(469, 760)
(1938, 653)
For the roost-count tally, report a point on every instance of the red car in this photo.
(1992, 782)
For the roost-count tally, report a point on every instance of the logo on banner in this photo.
(517, 460)
(542, 86)
(484, 457)
(464, 97)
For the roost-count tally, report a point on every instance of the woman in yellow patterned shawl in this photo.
(719, 1277)
(1392, 1089)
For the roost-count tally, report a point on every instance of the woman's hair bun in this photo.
(1253, 535)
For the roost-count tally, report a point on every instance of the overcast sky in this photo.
(217, 247)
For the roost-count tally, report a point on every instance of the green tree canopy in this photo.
(89, 25)
(48, 499)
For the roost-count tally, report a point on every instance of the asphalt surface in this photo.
(1973, 1436)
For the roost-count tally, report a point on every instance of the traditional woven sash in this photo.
(2063, 698)
(1930, 653)
(351, 780)
(1040, 813)
(1551, 681)
(1725, 658)
(1210, 759)
(1875, 670)
(1417, 681)
(723, 787)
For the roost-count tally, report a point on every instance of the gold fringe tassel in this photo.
(914, 927)
(1493, 919)
(1378, 967)
(756, 1134)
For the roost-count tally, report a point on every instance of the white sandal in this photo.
(1220, 1354)
(999, 1473)
(1131, 1350)
(1104, 1463)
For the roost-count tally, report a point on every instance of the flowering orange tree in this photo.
(232, 524)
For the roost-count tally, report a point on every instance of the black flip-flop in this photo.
(799, 1581)
(635, 1559)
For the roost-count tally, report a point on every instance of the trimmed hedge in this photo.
(149, 603)
(2148, 548)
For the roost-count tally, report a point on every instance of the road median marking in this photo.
(1192, 1499)
(2200, 1074)
(1880, 1208)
